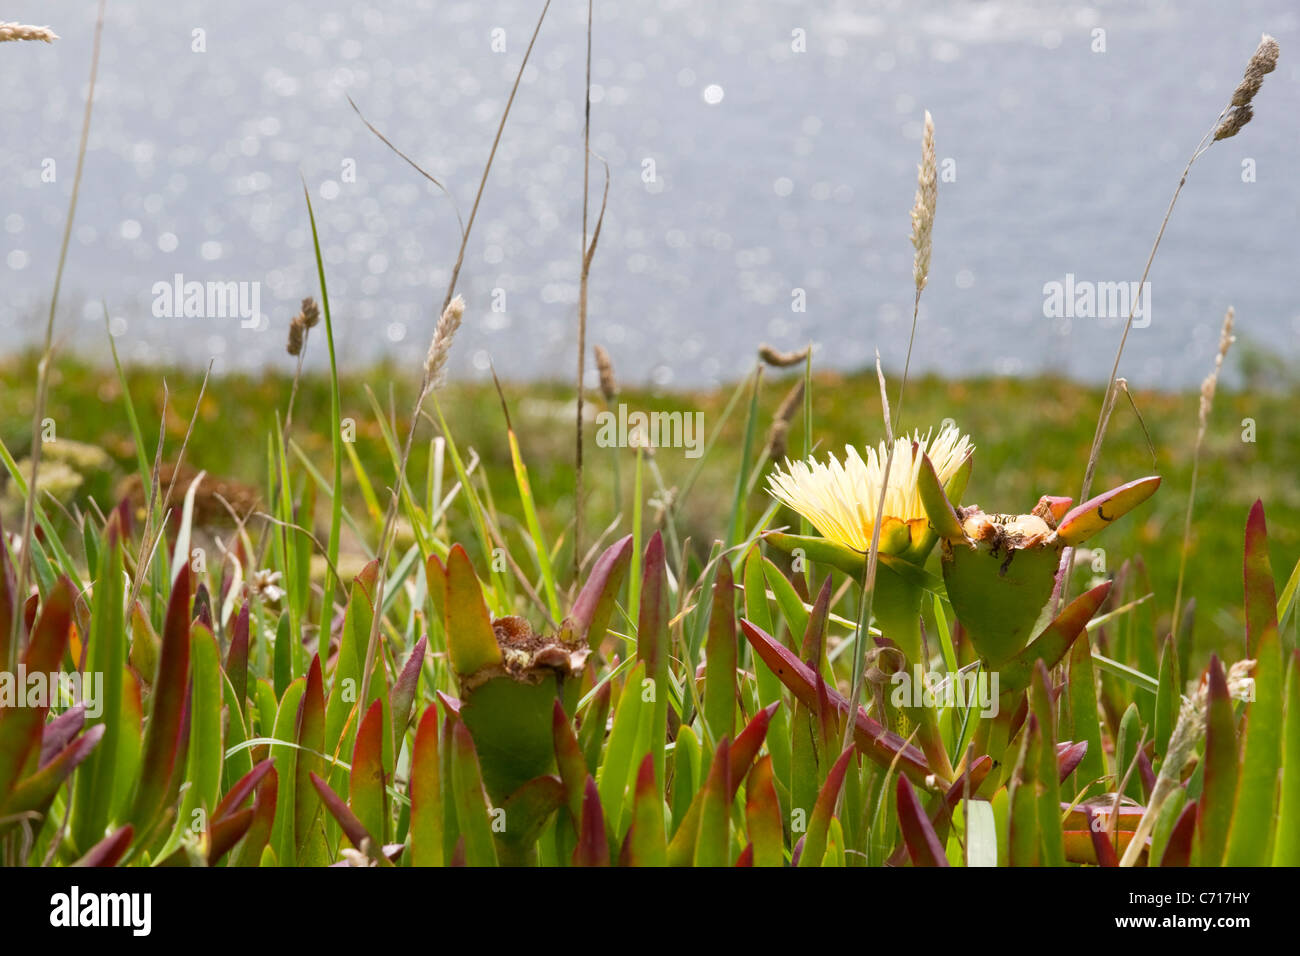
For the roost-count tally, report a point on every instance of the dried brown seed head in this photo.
(1237, 117)
(310, 312)
(777, 441)
(1262, 62)
(780, 430)
(296, 331)
(790, 404)
(605, 365)
(778, 359)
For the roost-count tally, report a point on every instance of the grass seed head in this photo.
(435, 363)
(296, 330)
(778, 359)
(310, 313)
(927, 196)
(779, 432)
(1208, 387)
(1237, 117)
(22, 31)
(1190, 728)
(605, 365)
(1262, 62)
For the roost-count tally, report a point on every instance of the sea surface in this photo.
(762, 163)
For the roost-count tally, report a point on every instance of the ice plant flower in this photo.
(840, 500)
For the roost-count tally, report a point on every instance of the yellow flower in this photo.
(840, 500)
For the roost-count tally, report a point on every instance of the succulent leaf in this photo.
(1094, 514)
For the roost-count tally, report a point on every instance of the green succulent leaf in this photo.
(881, 745)
(1254, 823)
(720, 658)
(942, 515)
(763, 816)
(646, 843)
(426, 793)
(1219, 789)
(1054, 643)
(922, 842)
(1093, 515)
(1287, 852)
(819, 822)
(592, 609)
(470, 639)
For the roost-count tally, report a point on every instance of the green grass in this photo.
(1031, 435)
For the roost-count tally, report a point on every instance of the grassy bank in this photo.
(1032, 438)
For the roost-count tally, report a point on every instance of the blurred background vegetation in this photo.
(1032, 438)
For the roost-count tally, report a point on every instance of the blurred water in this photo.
(774, 170)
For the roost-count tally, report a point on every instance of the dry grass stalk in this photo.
(774, 357)
(1262, 62)
(1208, 388)
(47, 351)
(412, 163)
(1211, 383)
(388, 533)
(588, 251)
(873, 558)
(22, 31)
(779, 432)
(923, 210)
(153, 534)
